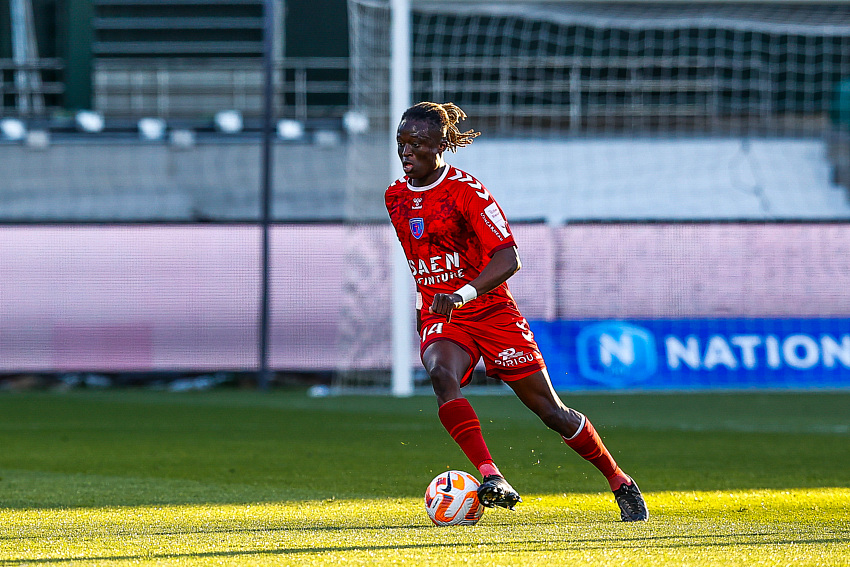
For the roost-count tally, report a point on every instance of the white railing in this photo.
(32, 88)
(308, 87)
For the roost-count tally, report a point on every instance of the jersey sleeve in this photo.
(486, 217)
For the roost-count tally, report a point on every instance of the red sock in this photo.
(459, 419)
(587, 443)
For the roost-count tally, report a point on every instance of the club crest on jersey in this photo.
(417, 227)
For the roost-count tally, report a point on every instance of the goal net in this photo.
(558, 68)
(617, 112)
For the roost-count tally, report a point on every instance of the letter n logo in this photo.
(616, 354)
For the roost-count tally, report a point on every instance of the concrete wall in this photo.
(120, 180)
(330, 178)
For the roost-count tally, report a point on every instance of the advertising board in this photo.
(696, 354)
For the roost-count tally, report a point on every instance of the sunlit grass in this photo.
(134, 477)
(761, 527)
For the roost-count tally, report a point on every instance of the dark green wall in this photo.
(77, 46)
(5, 30)
(316, 28)
(45, 20)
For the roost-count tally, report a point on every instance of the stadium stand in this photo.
(609, 179)
(614, 124)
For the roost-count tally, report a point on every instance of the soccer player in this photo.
(461, 252)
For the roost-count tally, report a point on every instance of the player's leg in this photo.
(447, 364)
(537, 393)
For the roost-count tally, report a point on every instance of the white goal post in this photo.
(400, 100)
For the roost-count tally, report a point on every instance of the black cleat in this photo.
(495, 491)
(632, 506)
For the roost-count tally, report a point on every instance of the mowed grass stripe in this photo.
(246, 478)
(801, 527)
(252, 446)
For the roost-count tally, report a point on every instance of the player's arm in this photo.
(502, 265)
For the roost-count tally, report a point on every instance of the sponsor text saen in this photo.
(436, 269)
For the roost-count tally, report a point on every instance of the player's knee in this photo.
(442, 374)
(443, 378)
(556, 418)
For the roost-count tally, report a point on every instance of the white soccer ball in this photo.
(452, 499)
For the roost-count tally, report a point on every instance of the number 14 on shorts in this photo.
(435, 329)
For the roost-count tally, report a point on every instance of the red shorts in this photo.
(499, 334)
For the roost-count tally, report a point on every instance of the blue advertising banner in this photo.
(696, 354)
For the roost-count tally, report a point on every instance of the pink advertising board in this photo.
(132, 298)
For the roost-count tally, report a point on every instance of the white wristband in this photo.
(467, 293)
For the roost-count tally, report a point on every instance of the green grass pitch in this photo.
(137, 477)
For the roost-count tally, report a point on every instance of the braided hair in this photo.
(445, 117)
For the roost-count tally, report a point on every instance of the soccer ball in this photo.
(452, 499)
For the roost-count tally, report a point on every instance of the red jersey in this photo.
(449, 230)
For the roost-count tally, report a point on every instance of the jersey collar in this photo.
(434, 184)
